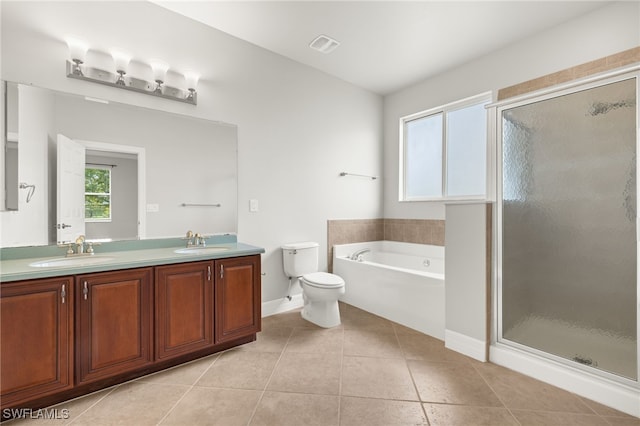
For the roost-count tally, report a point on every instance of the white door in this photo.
(70, 200)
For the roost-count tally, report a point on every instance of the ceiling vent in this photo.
(324, 44)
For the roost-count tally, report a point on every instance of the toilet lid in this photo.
(323, 279)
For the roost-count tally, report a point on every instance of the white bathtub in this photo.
(402, 282)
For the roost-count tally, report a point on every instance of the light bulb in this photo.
(77, 50)
(159, 70)
(121, 60)
(191, 79)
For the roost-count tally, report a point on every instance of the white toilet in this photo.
(320, 290)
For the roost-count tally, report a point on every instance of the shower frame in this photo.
(607, 388)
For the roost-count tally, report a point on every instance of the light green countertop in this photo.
(15, 269)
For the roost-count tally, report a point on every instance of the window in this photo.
(444, 152)
(97, 194)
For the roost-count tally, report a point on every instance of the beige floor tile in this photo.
(307, 373)
(622, 421)
(294, 409)
(290, 319)
(61, 414)
(401, 329)
(185, 374)
(304, 340)
(546, 418)
(210, 406)
(451, 383)
(270, 339)
(518, 391)
(377, 378)
(423, 347)
(240, 370)
(380, 412)
(356, 319)
(603, 410)
(372, 343)
(461, 415)
(133, 403)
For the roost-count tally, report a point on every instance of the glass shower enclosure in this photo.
(567, 227)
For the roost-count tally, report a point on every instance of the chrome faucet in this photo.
(200, 240)
(358, 254)
(195, 240)
(80, 247)
(80, 244)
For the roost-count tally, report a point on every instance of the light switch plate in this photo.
(153, 208)
(253, 205)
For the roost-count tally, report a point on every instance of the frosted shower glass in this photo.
(569, 285)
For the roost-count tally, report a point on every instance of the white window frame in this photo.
(483, 98)
(110, 194)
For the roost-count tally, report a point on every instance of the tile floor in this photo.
(368, 371)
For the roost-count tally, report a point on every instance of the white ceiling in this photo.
(385, 45)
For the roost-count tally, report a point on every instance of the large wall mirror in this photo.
(74, 165)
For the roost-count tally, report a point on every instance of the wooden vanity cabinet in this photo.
(184, 308)
(114, 323)
(36, 338)
(238, 297)
(107, 327)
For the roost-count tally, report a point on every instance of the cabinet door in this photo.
(237, 297)
(113, 323)
(36, 337)
(184, 308)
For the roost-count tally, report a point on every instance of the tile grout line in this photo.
(406, 363)
(341, 371)
(496, 394)
(190, 388)
(255, 409)
(94, 404)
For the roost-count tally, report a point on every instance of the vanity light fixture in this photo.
(159, 70)
(191, 78)
(77, 68)
(121, 59)
(77, 53)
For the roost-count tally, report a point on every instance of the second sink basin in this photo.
(200, 250)
(71, 261)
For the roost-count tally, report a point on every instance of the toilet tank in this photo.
(300, 258)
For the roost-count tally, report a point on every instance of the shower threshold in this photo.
(591, 347)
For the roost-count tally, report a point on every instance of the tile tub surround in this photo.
(419, 231)
(368, 371)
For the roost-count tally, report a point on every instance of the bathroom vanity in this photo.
(67, 330)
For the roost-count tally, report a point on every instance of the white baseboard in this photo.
(599, 389)
(474, 348)
(277, 306)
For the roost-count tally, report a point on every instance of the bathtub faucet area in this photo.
(358, 254)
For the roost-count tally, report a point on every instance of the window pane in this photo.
(423, 159)
(97, 197)
(467, 151)
(97, 180)
(97, 207)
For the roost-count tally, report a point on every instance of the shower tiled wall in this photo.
(420, 231)
(607, 63)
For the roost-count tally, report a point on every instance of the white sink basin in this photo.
(200, 250)
(71, 261)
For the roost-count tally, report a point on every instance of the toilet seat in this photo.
(323, 280)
